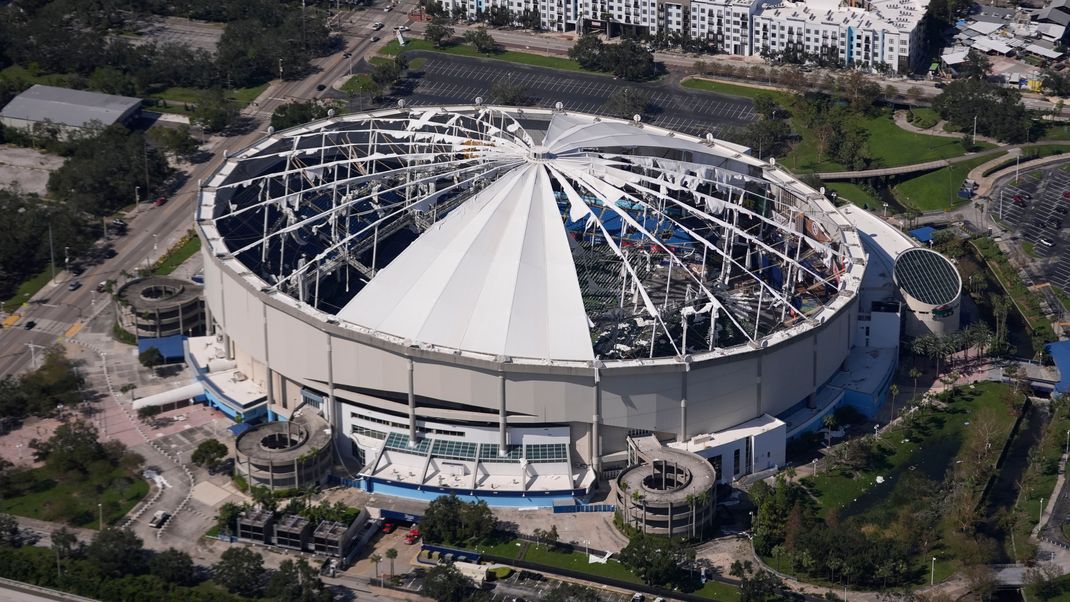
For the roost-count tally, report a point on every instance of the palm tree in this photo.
(830, 424)
(690, 499)
(636, 496)
(377, 559)
(391, 554)
(915, 374)
(624, 496)
(893, 391)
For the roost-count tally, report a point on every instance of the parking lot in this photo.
(447, 79)
(1035, 207)
(199, 35)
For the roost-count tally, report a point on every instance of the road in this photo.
(58, 311)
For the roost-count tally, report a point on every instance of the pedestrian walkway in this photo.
(902, 120)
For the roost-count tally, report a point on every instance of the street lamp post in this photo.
(100, 511)
(155, 240)
(1040, 512)
(1068, 443)
(932, 574)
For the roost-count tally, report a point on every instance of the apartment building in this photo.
(861, 33)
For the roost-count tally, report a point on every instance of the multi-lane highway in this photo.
(59, 312)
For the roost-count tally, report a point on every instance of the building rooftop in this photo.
(75, 108)
(927, 276)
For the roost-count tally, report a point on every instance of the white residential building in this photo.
(865, 33)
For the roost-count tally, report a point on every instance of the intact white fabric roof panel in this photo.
(988, 44)
(495, 276)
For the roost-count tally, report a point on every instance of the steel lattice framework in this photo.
(651, 243)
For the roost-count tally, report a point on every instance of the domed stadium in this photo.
(495, 300)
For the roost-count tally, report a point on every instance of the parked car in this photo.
(103, 286)
(389, 527)
(412, 536)
(1047, 242)
(159, 519)
(159, 201)
(78, 270)
(109, 253)
(1019, 201)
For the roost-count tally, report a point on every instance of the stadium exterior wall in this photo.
(303, 349)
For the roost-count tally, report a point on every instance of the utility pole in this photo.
(280, 68)
(51, 253)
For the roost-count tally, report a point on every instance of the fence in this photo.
(584, 508)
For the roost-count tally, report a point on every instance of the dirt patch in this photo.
(26, 169)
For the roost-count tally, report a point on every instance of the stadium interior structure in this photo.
(493, 301)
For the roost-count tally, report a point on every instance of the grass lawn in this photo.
(15, 73)
(924, 117)
(927, 449)
(889, 146)
(511, 56)
(44, 494)
(854, 193)
(1029, 248)
(938, 189)
(177, 256)
(782, 98)
(577, 561)
(1064, 299)
(27, 289)
(179, 98)
(357, 84)
(1007, 277)
(417, 63)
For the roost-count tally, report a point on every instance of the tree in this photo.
(505, 92)
(570, 592)
(996, 110)
(587, 51)
(976, 66)
(226, 519)
(914, 93)
(64, 542)
(10, 534)
(449, 520)
(73, 446)
(296, 113)
(391, 554)
(481, 40)
(444, 583)
(209, 453)
(829, 422)
(297, 582)
(117, 552)
(765, 105)
(628, 60)
(173, 566)
(214, 111)
(653, 559)
(439, 31)
(893, 392)
(1056, 83)
(627, 102)
(1043, 581)
(376, 559)
(151, 357)
(530, 19)
(176, 141)
(239, 570)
